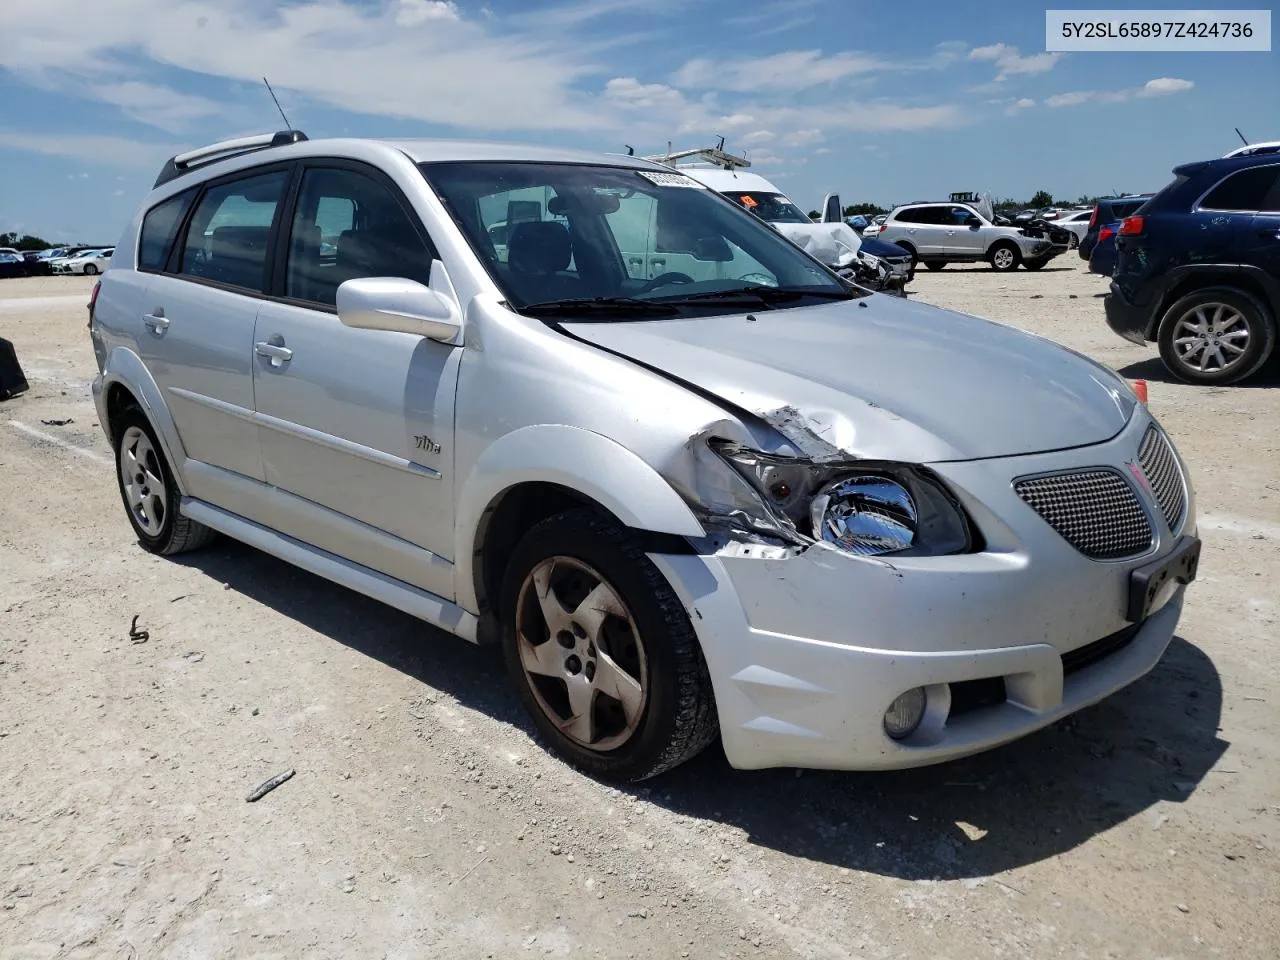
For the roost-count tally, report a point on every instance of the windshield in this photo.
(622, 239)
(770, 207)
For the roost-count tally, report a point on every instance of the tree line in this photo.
(26, 241)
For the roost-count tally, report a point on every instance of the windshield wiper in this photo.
(599, 305)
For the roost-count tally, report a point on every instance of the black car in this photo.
(1106, 214)
(37, 266)
(11, 265)
(1198, 269)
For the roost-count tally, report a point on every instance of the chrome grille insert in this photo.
(1096, 511)
(1158, 463)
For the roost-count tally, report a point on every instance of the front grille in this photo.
(1096, 511)
(1155, 455)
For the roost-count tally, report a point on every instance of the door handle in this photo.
(156, 320)
(278, 354)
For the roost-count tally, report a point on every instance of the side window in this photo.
(159, 228)
(348, 225)
(907, 216)
(1244, 190)
(959, 215)
(228, 237)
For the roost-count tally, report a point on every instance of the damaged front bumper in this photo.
(807, 646)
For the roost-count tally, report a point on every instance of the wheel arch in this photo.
(125, 380)
(537, 471)
(1247, 279)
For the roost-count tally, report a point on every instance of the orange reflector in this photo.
(1140, 388)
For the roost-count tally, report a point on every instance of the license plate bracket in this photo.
(1148, 583)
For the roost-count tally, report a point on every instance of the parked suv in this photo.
(738, 497)
(1199, 269)
(940, 233)
(1103, 224)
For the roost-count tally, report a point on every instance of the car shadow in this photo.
(1020, 804)
(1153, 368)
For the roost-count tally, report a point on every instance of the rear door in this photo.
(197, 327)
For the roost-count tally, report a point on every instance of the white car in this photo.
(1076, 222)
(740, 499)
(87, 262)
(940, 233)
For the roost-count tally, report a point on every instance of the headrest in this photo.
(539, 247)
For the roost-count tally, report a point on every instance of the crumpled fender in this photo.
(578, 459)
(833, 244)
(126, 368)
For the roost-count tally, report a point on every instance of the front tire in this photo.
(935, 264)
(601, 650)
(1004, 257)
(1033, 264)
(1217, 335)
(148, 490)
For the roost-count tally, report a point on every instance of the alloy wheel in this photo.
(143, 482)
(581, 653)
(1211, 337)
(1002, 259)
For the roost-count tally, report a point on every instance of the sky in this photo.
(879, 102)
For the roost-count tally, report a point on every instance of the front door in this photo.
(198, 321)
(356, 426)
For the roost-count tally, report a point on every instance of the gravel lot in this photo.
(425, 821)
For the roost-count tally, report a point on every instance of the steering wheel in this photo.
(664, 278)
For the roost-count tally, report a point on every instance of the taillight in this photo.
(1104, 233)
(1093, 218)
(93, 299)
(1131, 226)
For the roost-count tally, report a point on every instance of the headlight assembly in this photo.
(867, 508)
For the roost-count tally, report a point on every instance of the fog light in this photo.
(905, 714)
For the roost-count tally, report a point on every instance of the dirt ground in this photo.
(424, 820)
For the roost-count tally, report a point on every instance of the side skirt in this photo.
(394, 593)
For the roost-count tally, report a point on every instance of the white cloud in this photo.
(802, 138)
(822, 151)
(1161, 86)
(439, 68)
(1164, 85)
(1010, 61)
(413, 13)
(787, 71)
(757, 137)
(117, 193)
(630, 93)
(112, 151)
(158, 106)
(1018, 105)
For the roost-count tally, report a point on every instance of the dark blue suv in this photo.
(1198, 269)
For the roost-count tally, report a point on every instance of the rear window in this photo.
(159, 227)
(1126, 208)
(1244, 190)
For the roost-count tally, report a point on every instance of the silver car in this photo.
(737, 499)
(940, 233)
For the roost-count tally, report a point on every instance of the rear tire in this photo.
(1004, 257)
(915, 257)
(1033, 264)
(1073, 242)
(935, 264)
(602, 652)
(148, 491)
(90, 270)
(1213, 325)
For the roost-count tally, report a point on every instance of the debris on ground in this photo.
(270, 785)
(136, 635)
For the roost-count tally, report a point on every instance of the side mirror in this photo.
(714, 249)
(399, 305)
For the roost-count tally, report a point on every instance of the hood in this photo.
(893, 380)
(834, 244)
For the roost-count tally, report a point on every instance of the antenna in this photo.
(720, 145)
(631, 151)
(1241, 136)
(287, 124)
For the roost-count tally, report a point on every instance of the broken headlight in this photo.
(868, 508)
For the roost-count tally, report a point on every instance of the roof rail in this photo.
(176, 166)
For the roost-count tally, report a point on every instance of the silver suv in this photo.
(942, 233)
(738, 498)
